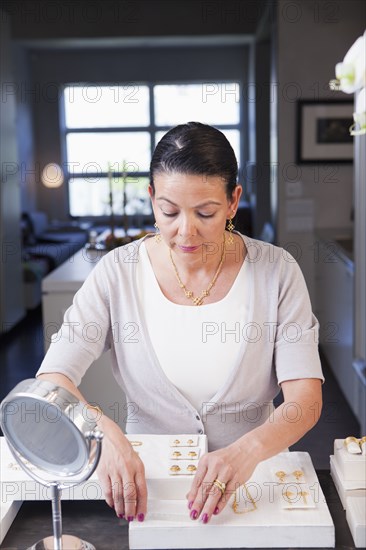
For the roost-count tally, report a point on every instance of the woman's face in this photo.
(191, 210)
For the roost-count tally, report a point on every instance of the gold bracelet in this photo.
(95, 408)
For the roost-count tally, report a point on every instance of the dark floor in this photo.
(21, 352)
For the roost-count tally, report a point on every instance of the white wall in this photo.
(312, 37)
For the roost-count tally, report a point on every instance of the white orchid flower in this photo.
(359, 116)
(351, 73)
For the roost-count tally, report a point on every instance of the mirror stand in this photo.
(59, 541)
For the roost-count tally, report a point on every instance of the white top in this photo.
(199, 344)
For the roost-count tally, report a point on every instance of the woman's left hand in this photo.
(231, 467)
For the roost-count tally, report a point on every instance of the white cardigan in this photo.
(281, 344)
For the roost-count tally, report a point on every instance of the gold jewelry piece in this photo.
(135, 443)
(175, 468)
(176, 441)
(298, 474)
(352, 445)
(235, 504)
(192, 453)
(288, 495)
(281, 476)
(198, 300)
(177, 453)
(157, 233)
(230, 227)
(220, 485)
(95, 408)
(350, 439)
(304, 494)
(15, 466)
(190, 441)
(191, 468)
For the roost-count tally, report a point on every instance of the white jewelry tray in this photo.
(168, 525)
(155, 453)
(344, 488)
(167, 508)
(356, 514)
(16, 486)
(351, 466)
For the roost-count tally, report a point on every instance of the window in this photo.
(109, 133)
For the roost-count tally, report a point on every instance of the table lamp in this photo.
(52, 177)
(54, 439)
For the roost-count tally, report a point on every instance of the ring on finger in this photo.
(220, 485)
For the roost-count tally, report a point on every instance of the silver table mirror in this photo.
(55, 439)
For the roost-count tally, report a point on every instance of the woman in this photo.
(211, 369)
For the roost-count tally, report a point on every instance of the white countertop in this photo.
(69, 276)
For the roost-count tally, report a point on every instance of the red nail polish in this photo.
(121, 516)
(190, 504)
(216, 511)
(129, 518)
(140, 517)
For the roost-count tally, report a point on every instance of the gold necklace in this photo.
(198, 300)
(235, 504)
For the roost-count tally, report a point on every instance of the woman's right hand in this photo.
(121, 473)
(120, 470)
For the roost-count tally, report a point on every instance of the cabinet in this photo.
(335, 285)
(11, 284)
(58, 289)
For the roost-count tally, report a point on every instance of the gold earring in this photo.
(298, 474)
(157, 234)
(230, 228)
(281, 475)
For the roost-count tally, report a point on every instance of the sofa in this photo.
(45, 247)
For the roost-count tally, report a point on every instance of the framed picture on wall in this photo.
(323, 131)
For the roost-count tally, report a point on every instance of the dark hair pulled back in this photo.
(195, 148)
